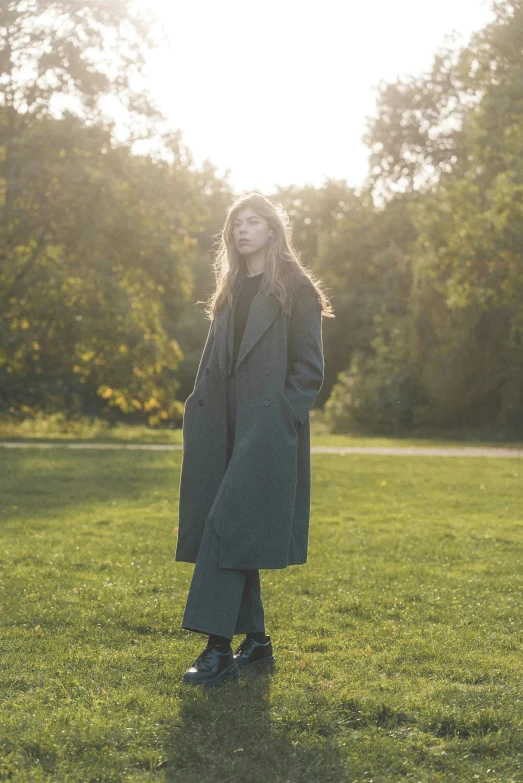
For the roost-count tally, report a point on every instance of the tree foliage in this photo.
(453, 140)
(96, 243)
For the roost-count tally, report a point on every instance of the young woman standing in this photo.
(245, 479)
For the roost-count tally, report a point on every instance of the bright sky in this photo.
(278, 90)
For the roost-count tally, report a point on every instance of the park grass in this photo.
(398, 644)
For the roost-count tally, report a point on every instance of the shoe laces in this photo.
(203, 656)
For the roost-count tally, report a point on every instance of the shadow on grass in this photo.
(227, 734)
(44, 482)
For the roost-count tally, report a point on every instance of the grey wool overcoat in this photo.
(260, 501)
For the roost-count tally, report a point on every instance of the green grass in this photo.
(398, 644)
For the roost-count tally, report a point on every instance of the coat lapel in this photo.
(262, 313)
(222, 332)
(264, 309)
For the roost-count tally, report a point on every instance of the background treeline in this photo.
(105, 254)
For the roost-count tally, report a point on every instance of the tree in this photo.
(96, 243)
(452, 140)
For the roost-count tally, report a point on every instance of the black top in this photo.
(249, 289)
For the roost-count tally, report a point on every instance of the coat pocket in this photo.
(290, 410)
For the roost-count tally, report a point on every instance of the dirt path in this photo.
(399, 451)
(421, 451)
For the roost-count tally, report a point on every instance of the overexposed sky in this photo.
(278, 90)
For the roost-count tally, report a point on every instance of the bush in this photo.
(375, 395)
(41, 425)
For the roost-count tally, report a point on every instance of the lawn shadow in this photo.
(228, 734)
(45, 482)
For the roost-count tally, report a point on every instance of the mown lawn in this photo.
(399, 644)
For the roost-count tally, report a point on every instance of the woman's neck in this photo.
(256, 262)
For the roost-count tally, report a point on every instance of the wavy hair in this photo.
(283, 271)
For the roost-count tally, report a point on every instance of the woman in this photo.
(245, 477)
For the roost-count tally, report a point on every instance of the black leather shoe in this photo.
(250, 651)
(211, 667)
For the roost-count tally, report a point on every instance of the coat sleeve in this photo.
(305, 365)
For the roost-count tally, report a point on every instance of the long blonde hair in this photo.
(283, 270)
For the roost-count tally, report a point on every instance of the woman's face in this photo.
(251, 232)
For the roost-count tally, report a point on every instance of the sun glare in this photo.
(278, 92)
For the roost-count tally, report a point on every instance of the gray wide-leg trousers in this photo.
(223, 601)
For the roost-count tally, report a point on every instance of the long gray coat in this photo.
(261, 500)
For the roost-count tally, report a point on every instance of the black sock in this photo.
(261, 638)
(221, 642)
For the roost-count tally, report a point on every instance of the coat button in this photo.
(266, 402)
(207, 371)
(200, 401)
(267, 371)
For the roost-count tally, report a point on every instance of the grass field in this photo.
(399, 644)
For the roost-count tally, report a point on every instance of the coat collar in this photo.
(264, 309)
